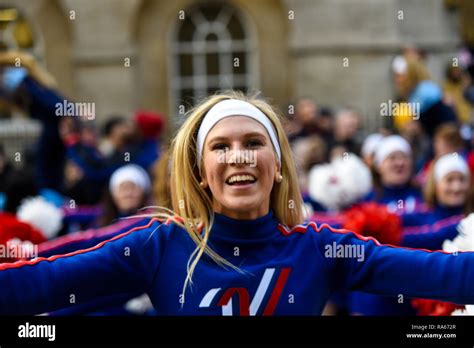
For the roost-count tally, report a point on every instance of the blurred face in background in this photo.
(306, 111)
(121, 133)
(325, 123)
(89, 136)
(442, 147)
(400, 80)
(395, 170)
(128, 196)
(347, 124)
(452, 189)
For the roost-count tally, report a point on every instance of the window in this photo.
(211, 50)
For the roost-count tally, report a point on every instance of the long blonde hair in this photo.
(193, 203)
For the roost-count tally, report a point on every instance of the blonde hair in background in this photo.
(429, 190)
(416, 72)
(161, 173)
(193, 204)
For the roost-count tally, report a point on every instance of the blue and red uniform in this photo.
(108, 305)
(88, 238)
(400, 199)
(426, 230)
(284, 271)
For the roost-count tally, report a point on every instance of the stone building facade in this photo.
(128, 54)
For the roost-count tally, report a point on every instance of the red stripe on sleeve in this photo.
(18, 264)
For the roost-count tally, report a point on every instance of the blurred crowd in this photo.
(420, 164)
(442, 125)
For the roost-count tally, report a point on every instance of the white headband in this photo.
(389, 145)
(450, 163)
(132, 173)
(234, 107)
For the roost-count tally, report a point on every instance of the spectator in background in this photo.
(137, 144)
(31, 89)
(419, 141)
(304, 120)
(308, 151)
(466, 61)
(116, 135)
(447, 139)
(392, 176)
(346, 128)
(368, 148)
(145, 146)
(129, 190)
(325, 122)
(457, 81)
(414, 85)
(20, 183)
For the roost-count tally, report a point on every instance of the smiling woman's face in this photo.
(239, 167)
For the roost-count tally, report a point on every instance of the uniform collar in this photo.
(259, 228)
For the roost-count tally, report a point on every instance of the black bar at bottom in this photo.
(452, 331)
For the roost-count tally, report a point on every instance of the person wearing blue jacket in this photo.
(240, 245)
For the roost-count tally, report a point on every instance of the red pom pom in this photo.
(434, 308)
(374, 220)
(149, 123)
(11, 228)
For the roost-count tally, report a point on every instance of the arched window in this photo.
(211, 50)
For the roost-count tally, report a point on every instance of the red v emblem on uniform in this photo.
(245, 306)
(276, 293)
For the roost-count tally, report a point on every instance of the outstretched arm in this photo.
(431, 236)
(394, 271)
(125, 263)
(88, 238)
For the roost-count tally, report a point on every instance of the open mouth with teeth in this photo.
(241, 180)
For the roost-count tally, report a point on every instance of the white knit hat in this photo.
(449, 163)
(370, 144)
(389, 145)
(132, 173)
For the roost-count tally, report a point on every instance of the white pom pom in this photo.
(42, 215)
(323, 186)
(465, 239)
(355, 178)
(341, 183)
